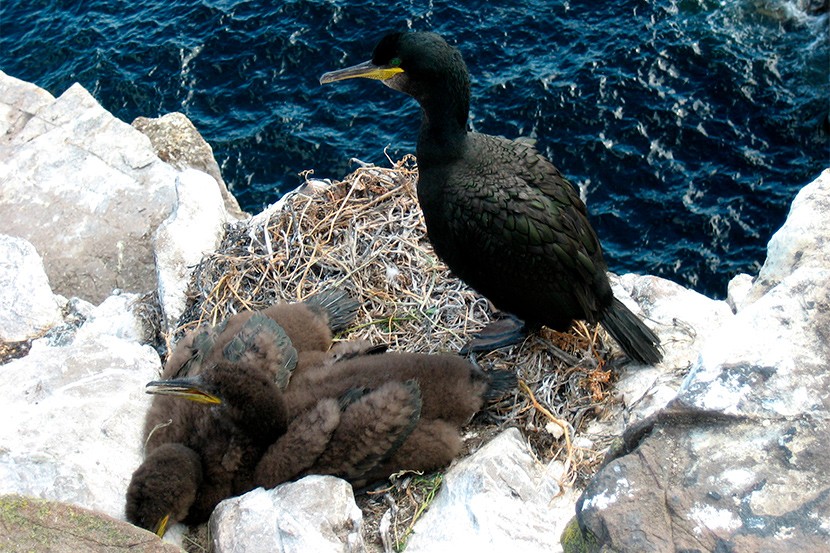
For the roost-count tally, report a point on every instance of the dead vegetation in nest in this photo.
(14, 350)
(366, 235)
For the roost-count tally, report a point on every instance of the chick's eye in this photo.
(395, 62)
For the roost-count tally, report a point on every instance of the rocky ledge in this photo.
(721, 447)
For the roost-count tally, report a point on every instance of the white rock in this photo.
(684, 321)
(497, 499)
(114, 317)
(780, 331)
(72, 416)
(738, 290)
(195, 228)
(176, 141)
(27, 306)
(795, 245)
(317, 513)
(20, 102)
(738, 457)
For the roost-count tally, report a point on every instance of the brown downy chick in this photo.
(235, 412)
(164, 487)
(348, 437)
(452, 388)
(316, 361)
(310, 324)
(306, 326)
(238, 366)
(399, 411)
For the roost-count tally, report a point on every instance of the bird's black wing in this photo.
(527, 221)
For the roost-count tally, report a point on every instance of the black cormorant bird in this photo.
(500, 215)
(197, 456)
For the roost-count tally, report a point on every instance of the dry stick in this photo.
(562, 424)
(340, 209)
(153, 431)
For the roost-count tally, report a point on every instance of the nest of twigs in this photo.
(366, 235)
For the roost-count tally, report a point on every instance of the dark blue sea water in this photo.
(689, 125)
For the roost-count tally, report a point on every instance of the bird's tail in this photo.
(634, 337)
(499, 384)
(337, 304)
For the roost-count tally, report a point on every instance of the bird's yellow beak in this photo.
(187, 388)
(161, 527)
(366, 70)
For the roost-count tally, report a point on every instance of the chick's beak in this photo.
(366, 70)
(189, 388)
(161, 527)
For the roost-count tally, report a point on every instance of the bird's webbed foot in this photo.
(505, 330)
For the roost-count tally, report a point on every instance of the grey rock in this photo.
(20, 102)
(801, 244)
(738, 290)
(31, 524)
(84, 188)
(195, 228)
(684, 320)
(27, 306)
(177, 142)
(316, 513)
(497, 499)
(736, 461)
(89, 192)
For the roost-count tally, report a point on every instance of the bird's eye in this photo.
(395, 62)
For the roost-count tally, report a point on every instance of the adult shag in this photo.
(500, 215)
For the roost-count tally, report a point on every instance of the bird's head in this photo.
(244, 393)
(414, 63)
(164, 487)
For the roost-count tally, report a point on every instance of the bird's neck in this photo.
(444, 125)
(254, 404)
